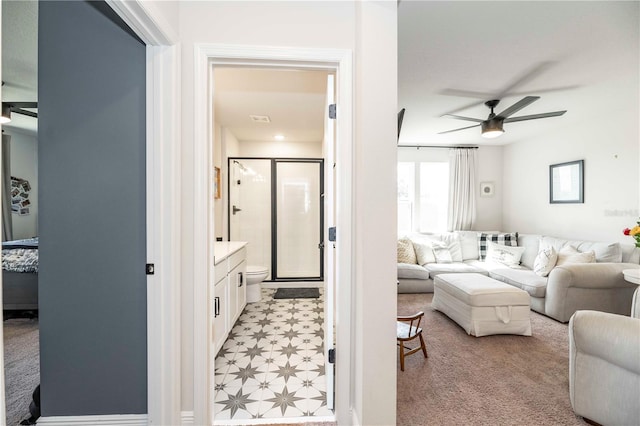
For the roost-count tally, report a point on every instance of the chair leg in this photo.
(401, 356)
(424, 347)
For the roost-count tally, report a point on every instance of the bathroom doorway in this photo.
(276, 205)
(273, 146)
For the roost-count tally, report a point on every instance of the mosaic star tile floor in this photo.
(272, 364)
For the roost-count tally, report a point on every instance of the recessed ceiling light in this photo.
(260, 118)
(279, 137)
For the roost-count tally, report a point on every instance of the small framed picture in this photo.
(486, 189)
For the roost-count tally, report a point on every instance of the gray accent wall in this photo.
(92, 284)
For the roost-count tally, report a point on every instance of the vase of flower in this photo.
(634, 232)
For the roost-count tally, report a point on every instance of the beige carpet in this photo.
(491, 380)
(22, 366)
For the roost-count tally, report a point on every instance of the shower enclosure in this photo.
(276, 205)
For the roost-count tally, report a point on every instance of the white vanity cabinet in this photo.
(229, 294)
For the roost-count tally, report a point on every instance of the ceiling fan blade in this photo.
(462, 108)
(527, 76)
(459, 117)
(527, 100)
(400, 118)
(534, 116)
(24, 112)
(456, 130)
(466, 93)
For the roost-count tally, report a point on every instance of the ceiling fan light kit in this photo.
(491, 128)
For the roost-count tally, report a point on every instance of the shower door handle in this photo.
(235, 210)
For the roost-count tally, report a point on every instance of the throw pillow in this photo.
(510, 239)
(569, 254)
(545, 261)
(424, 252)
(452, 240)
(442, 253)
(406, 253)
(507, 255)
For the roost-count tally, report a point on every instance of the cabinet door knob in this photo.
(241, 279)
(216, 307)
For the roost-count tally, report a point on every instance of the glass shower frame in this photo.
(273, 209)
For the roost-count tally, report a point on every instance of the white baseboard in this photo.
(99, 420)
(187, 418)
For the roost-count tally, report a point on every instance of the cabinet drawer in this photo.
(221, 270)
(237, 257)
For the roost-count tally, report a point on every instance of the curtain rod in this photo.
(438, 146)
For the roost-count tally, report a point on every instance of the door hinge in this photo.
(150, 268)
(332, 356)
(332, 111)
(332, 234)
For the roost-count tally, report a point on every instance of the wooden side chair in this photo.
(408, 328)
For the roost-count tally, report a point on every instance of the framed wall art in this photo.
(566, 182)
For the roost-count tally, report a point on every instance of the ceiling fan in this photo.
(18, 108)
(492, 127)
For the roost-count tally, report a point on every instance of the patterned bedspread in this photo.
(20, 260)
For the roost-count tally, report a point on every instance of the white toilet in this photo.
(254, 277)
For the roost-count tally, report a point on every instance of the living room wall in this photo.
(603, 131)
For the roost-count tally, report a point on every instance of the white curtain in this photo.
(462, 194)
(7, 225)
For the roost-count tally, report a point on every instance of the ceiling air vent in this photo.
(260, 119)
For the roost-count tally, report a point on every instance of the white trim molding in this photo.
(99, 420)
(207, 56)
(152, 30)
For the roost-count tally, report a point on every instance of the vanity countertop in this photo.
(224, 249)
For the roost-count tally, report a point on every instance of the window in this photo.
(427, 182)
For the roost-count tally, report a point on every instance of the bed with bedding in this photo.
(20, 274)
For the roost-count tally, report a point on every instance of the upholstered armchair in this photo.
(604, 365)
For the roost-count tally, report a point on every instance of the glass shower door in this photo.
(250, 208)
(298, 219)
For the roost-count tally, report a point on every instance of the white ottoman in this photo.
(481, 305)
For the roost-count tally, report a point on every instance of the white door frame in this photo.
(206, 56)
(163, 218)
(163, 211)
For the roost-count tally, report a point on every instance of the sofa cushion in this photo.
(605, 252)
(406, 253)
(525, 279)
(507, 255)
(569, 254)
(455, 267)
(510, 239)
(412, 271)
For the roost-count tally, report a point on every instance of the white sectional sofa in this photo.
(569, 287)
